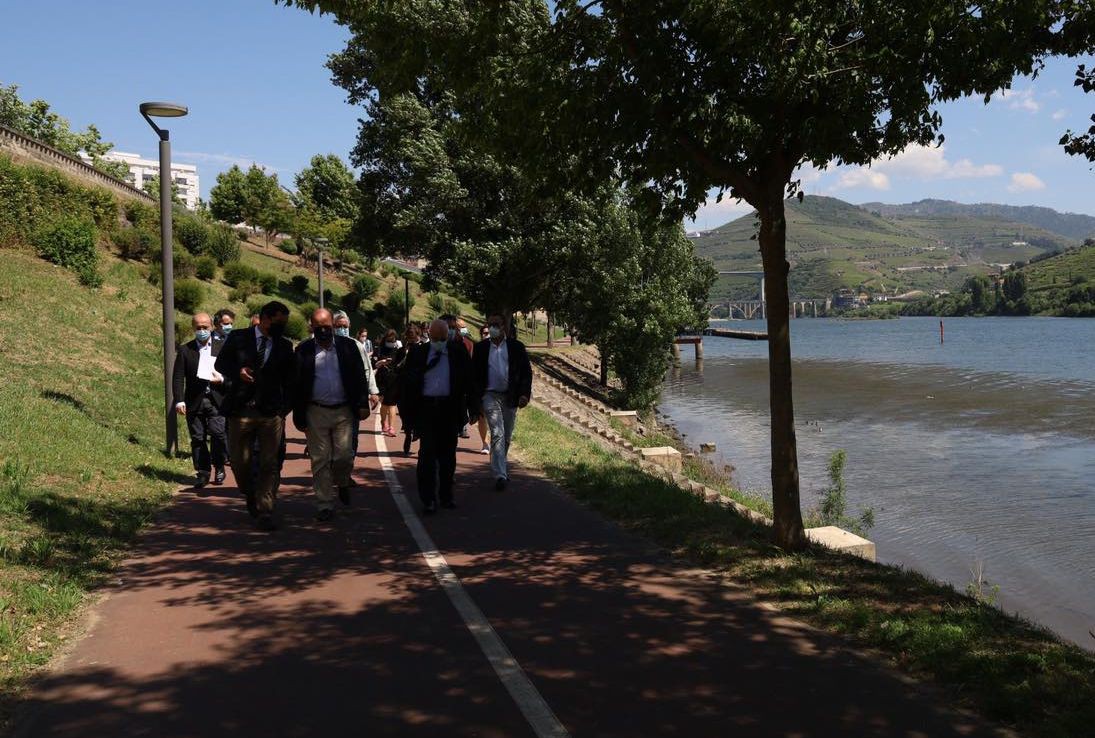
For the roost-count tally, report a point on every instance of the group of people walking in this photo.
(237, 387)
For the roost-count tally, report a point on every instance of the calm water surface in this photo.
(981, 449)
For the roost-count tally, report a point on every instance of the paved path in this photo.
(213, 629)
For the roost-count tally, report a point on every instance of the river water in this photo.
(976, 451)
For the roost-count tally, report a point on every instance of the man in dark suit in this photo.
(437, 399)
(199, 392)
(259, 369)
(503, 383)
(332, 395)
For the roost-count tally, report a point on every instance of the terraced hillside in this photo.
(833, 244)
(1074, 226)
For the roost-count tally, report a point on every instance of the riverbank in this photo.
(1004, 667)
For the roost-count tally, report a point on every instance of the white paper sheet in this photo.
(205, 366)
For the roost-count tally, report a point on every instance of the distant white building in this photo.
(142, 170)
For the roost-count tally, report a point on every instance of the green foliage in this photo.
(289, 246)
(152, 188)
(70, 242)
(205, 267)
(365, 286)
(189, 294)
(1082, 144)
(223, 244)
(228, 195)
(237, 273)
(296, 328)
(243, 292)
(267, 282)
(396, 308)
(327, 186)
(192, 233)
(183, 264)
(299, 283)
(834, 501)
(436, 303)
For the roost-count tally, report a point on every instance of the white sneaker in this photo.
(485, 450)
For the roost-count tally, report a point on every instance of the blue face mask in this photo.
(495, 332)
(226, 329)
(202, 336)
(342, 332)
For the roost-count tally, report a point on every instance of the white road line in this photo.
(529, 701)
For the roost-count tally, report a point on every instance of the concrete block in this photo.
(841, 540)
(629, 418)
(666, 456)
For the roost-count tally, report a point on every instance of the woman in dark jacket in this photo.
(386, 357)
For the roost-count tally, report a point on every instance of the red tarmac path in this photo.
(215, 629)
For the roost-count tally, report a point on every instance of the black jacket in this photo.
(350, 367)
(185, 385)
(461, 388)
(272, 391)
(520, 370)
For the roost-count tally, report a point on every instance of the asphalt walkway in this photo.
(348, 629)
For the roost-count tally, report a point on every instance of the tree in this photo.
(226, 198)
(683, 98)
(1077, 144)
(1015, 285)
(260, 195)
(152, 187)
(327, 184)
(276, 215)
(981, 295)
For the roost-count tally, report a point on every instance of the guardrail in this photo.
(30, 148)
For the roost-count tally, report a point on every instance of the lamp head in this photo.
(163, 109)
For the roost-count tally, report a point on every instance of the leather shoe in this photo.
(201, 479)
(325, 515)
(344, 495)
(429, 508)
(218, 479)
(500, 484)
(266, 523)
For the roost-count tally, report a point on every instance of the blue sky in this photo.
(253, 75)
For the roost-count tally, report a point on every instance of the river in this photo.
(976, 451)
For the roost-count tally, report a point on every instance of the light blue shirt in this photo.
(498, 367)
(327, 386)
(437, 378)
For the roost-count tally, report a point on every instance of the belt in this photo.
(330, 407)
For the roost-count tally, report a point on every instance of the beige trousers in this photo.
(242, 430)
(330, 435)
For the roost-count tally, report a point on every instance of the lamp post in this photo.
(320, 243)
(406, 299)
(166, 110)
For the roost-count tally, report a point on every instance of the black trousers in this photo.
(437, 431)
(208, 440)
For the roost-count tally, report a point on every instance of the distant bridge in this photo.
(758, 308)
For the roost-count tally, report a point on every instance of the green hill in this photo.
(1074, 226)
(833, 244)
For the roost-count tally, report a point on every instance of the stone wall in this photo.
(26, 150)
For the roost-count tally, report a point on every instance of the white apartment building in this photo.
(142, 170)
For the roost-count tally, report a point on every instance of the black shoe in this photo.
(201, 479)
(218, 479)
(325, 516)
(464, 432)
(500, 484)
(266, 523)
(448, 505)
(407, 444)
(252, 506)
(429, 508)
(344, 495)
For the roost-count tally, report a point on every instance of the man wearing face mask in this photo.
(332, 395)
(223, 323)
(199, 391)
(259, 369)
(437, 397)
(503, 383)
(458, 331)
(342, 328)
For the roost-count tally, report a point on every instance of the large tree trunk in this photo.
(789, 533)
(550, 332)
(604, 366)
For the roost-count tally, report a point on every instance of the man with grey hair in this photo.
(342, 328)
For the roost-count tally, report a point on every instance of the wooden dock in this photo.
(744, 335)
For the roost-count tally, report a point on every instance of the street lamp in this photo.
(166, 110)
(320, 243)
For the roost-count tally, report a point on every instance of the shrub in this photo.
(365, 286)
(192, 234)
(240, 235)
(436, 303)
(254, 304)
(267, 282)
(222, 245)
(452, 307)
(299, 283)
(183, 263)
(189, 294)
(396, 308)
(236, 273)
(307, 308)
(70, 242)
(350, 302)
(241, 293)
(350, 257)
(296, 328)
(140, 213)
(289, 246)
(205, 267)
(328, 296)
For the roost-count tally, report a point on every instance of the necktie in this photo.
(262, 351)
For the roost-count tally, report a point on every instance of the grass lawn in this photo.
(1001, 666)
(81, 438)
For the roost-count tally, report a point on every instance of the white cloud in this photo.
(714, 214)
(915, 162)
(223, 160)
(1060, 114)
(1019, 99)
(1025, 182)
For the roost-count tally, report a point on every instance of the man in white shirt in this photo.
(503, 383)
(342, 328)
(198, 392)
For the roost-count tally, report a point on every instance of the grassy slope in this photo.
(1003, 667)
(1057, 271)
(834, 244)
(81, 440)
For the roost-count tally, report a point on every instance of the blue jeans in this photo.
(500, 420)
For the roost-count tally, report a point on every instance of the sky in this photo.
(253, 76)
